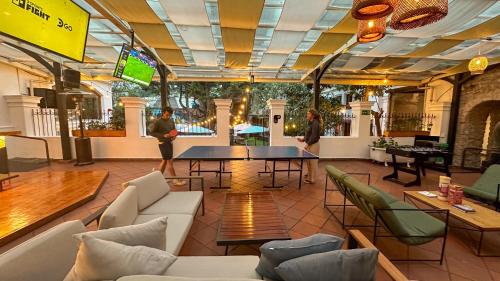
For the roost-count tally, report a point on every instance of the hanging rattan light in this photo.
(371, 30)
(371, 9)
(478, 65)
(410, 14)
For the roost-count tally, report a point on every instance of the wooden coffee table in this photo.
(250, 218)
(482, 220)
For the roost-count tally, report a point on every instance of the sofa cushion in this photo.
(275, 252)
(177, 229)
(175, 278)
(122, 211)
(341, 265)
(150, 188)
(412, 223)
(106, 260)
(486, 186)
(150, 234)
(179, 202)
(48, 256)
(215, 267)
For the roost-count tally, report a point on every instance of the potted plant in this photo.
(378, 154)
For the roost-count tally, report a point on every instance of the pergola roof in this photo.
(280, 40)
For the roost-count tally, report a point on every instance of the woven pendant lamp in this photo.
(371, 9)
(371, 30)
(478, 65)
(410, 14)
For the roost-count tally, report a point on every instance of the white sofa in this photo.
(149, 197)
(50, 256)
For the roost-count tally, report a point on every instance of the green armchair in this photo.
(410, 225)
(487, 187)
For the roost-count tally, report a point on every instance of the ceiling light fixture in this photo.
(371, 9)
(410, 14)
(478, 65)
(371, 30)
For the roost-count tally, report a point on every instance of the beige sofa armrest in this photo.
(357, 239)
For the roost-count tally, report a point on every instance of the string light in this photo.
(242, 106)
(244, 99)
(247, 90)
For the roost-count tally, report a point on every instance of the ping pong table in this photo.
(222, 154)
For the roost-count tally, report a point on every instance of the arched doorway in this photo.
(475, 130)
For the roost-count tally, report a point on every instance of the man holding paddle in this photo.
(164, 130)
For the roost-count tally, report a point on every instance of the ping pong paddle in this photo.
(173, 133)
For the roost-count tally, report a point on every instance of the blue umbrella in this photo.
(182, 128)
(253, 130)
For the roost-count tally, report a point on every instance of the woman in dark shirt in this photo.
(311, 139)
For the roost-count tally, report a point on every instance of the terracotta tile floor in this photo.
(304, 214)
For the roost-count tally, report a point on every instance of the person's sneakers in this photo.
(179, 182)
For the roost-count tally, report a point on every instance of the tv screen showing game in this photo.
(135, 66)
(58, 26)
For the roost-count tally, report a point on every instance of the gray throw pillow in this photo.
(275, 252)
(341, 265)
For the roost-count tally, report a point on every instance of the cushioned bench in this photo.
(487, 187)
(410, 225)
(149, 197)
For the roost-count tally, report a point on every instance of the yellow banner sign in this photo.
(2, 142)
(59, 26)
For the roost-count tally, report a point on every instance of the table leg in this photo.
(480, 243)
(227, 250)
(300, 173)
(289, 162)
(394, 174)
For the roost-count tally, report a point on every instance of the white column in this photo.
(276, 130)
(440, 124)
(362, 118)
(21, 112)
(134, 115)
(223, 107)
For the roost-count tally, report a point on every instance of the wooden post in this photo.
(62, 111)
(455, 105)
(316, 88)
(164, 92)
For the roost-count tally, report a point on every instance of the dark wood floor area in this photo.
(35, 198)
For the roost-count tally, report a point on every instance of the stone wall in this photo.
(480, 97)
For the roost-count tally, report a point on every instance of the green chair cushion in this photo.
(388, 198)
(400, 223)
(412, 223)
(486, 186)
(334, 172)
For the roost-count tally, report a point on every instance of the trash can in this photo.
(83, 151)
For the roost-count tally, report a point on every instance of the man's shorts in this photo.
(166, 149)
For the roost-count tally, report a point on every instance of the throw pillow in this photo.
(151, 234)
(105, 260)
(340, 265)
(275, 252)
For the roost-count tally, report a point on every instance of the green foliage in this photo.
(117, 120)
(96, 125)
(383, 143)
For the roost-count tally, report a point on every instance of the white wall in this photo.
(15, 81)
(105, 147)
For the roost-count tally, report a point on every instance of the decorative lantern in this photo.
(478, 64)
(371, 9)
(410, 14)
(371, 30)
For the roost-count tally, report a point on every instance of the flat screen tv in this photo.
(58, 26)
(135, 66)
